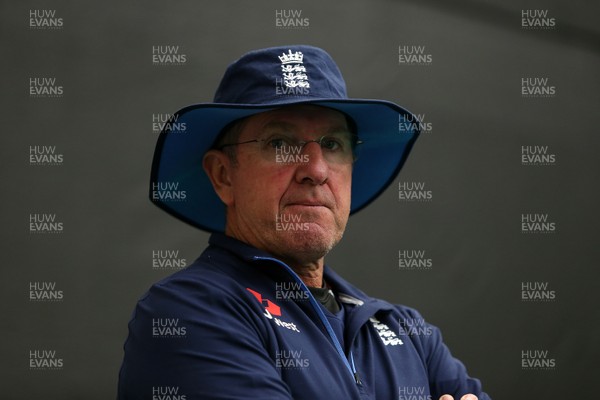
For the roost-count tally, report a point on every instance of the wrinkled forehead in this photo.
(299, 119)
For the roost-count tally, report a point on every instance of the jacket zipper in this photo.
(349, 365)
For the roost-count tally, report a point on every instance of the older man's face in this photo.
(288, 199)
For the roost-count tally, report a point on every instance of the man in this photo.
(274, 167)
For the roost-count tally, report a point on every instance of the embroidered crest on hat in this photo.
(293, 71)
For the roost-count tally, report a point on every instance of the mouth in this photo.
(308, 203)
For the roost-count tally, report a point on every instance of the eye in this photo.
(278, 141)
(332, 143)
(275, 143)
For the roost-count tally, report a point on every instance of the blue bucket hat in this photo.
(263, 80)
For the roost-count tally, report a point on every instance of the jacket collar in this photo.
(347, 293)
(237, 247)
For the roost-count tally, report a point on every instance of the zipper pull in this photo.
(357, 378)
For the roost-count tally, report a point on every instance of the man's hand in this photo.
(465, 397)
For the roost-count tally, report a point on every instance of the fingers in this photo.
(446, 397)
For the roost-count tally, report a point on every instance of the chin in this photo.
(311, 244)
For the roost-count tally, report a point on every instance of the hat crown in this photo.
(280, 74)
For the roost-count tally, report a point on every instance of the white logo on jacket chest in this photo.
(388, 337)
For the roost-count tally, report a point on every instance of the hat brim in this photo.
(179, 185)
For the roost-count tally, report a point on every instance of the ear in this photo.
(218, 167)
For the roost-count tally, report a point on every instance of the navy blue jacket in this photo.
(240, 324)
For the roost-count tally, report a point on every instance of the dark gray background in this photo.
(470, 160)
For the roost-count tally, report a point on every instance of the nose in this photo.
(315, 171)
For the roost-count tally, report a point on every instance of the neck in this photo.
(311, 274)
(309, 270)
